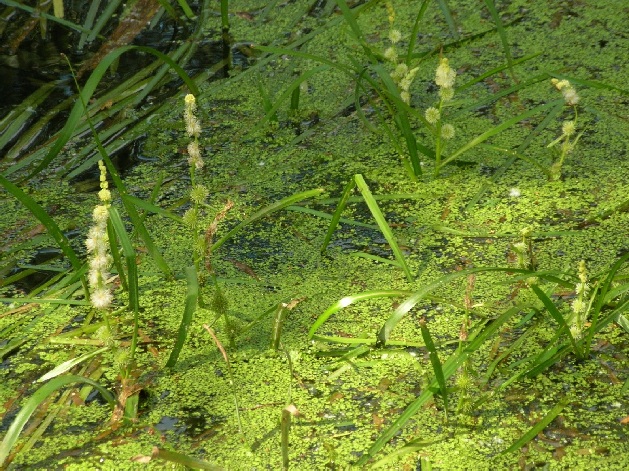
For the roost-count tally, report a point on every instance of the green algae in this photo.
(343, 410)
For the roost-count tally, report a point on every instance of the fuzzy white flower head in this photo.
(100, 214)
(568, 128)
(101, 298)
(400, 72)
(395, 36)
(446, 94)
(432, 115)
(447, 131)
(571, 96)
(445, 75)
(514, 193)
(406, 97)
(390, 54)
(105, 195)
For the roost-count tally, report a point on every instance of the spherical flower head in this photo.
(578, 306)
(101, 298)
(559, 84)
(446, 94)
(432, 115)
(100, 262)
(395, 36)
(571, 96)
(576, 332)
(198, 194)
(190, 218)
(514, 193)
(105, 195)
(568, 128)
(390, 54)
(400, 72)
(447, 131)
(405, 96)
(405, 83)
(445, 75)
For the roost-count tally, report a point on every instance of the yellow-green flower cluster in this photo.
(402, 75)
(579, 304)
(97, 246)
(193, 128)
(444, 78)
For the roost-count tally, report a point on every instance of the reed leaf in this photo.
(38, 398)
(186, 320)
(538, 427)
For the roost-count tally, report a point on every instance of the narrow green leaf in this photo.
(88, 90)
(443, 5)
(537, 428)
(382, 223)
(336, 217)
(67, 365)
(35, 400)
(265, 212)
(503, 35)
(498, 129)
(348, 300)
(45, 219)
(449, 368)
(191, 305)
(184, 460)
(554, 312)
(436, 364)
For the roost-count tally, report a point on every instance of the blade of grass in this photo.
(191, 305)
(348, 300)
(538, 427)
(554, 312)
(290, 200)
(436, 364)
(503, 35)
(33, 403)
(230, 373)
(132, 272)
(498, 129)
(39, 212)
(382, 224)
(68, 365)
(443, 5)
(184, 460)
(415, 32)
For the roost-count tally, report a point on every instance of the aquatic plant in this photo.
(567, 140)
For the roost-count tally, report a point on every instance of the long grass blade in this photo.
(383, 225)
(265, 212)
(445, 9)
(503, 35)
(35, 400)
(39, 212)
(436, 364)
(538, 427)
(68, 365)
(190, 307)
(348, 300)
(132, 272)
(498, 129)
(183, 460)
(554, 312)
